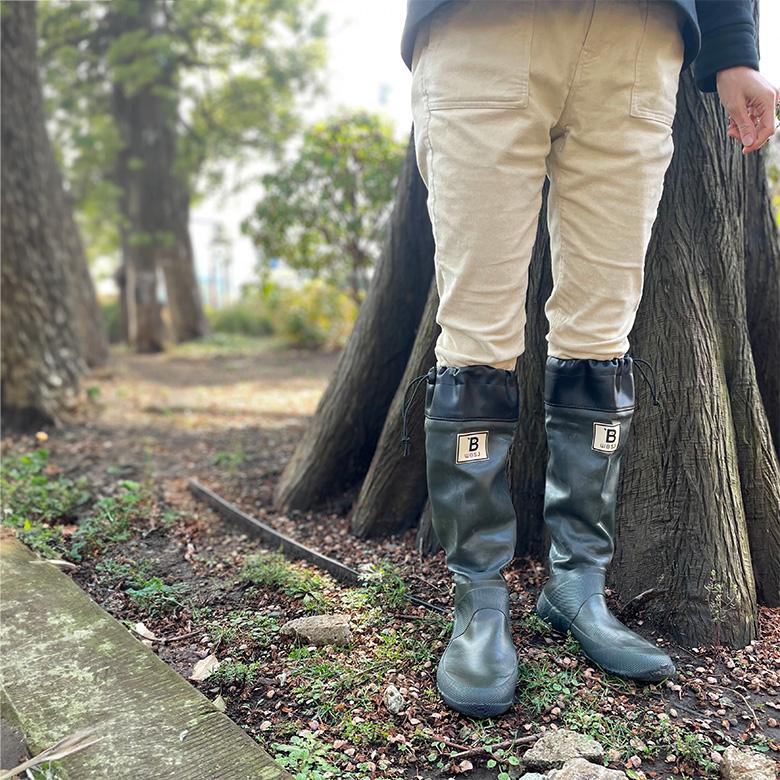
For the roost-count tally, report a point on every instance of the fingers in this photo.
(755, 122)
(746, 130)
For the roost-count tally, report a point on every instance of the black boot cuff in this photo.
(472, 393)
(606, 385)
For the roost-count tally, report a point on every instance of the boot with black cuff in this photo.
(589, 405)
(470, 418)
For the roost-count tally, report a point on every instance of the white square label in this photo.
(606, 436)
(472, 446)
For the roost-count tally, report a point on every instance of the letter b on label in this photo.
(606, 437)
(472, 446)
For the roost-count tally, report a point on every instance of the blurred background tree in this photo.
(149, 100)
(326, 212)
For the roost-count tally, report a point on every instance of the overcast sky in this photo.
(365, 70)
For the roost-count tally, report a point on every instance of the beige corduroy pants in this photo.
(506, 92)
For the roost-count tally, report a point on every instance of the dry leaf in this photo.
(142, 630)
(58, 562)
(205, 668)
(79, 740)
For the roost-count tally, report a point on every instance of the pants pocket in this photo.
(659, 59)
(478, 54)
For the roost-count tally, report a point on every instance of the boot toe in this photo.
(477, 674)
(476, 701)
(623, 652)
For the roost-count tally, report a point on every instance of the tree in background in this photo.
(50, 323)
(326, 212)
(151, 99)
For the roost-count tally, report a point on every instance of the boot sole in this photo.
(555, 618)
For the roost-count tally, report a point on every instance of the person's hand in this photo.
(751, 102)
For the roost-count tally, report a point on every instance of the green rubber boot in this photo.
(470, 418)
(589, 405)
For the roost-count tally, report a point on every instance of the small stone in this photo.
(394, 700)
(746, 765)
(320, 630)
(557, 747)
(726, 702)
(580, 769)
(534, 776)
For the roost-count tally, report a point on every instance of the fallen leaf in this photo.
(205, 668)
(142, 630)
(58, 562)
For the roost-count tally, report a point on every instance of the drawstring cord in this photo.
(652, 385)
(408, 401)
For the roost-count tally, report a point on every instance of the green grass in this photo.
(384, 584)
(543, 684)
(110, 520)
(244, 626)
(37, 501)
(228, 344)
(307, 758)
(272, 570)
(236, 673)
(33, 501)
(149, 594)
(231, 460)
(155, 597)
(114, 573)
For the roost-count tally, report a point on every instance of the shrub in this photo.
(249, 316)
(318, 315)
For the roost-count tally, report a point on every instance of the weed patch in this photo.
(156, 597)
(272, 570)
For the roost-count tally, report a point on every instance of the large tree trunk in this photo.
(178, 264)
(42, 358)
(336, 450)
(155, 201)
(699, 502)
(762, 281)
(382, 508)
(90, 324)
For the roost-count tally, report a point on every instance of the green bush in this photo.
(249, 316)
(316, 316)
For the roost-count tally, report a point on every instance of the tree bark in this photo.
(699, 501)
(42, 358)
(155, 200)
(701, 476)
(382, 508)
(90, 324)
(178, 261)
(762, 280)
(337, 448)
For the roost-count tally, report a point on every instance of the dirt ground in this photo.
(229, 413)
